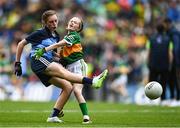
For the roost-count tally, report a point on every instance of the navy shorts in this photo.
(38, 67)
(44, 78)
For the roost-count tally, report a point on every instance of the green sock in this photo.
(83, 108)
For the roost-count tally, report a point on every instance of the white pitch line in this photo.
(92, 111)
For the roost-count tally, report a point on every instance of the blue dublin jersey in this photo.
(40, 39)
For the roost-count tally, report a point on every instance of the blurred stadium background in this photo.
(114, 37)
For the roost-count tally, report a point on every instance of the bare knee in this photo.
(68, 88)
(77, 89)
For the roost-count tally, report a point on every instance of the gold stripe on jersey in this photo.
(69, 50)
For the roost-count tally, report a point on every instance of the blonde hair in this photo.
(81, 25)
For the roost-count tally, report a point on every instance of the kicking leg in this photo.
(57, 70)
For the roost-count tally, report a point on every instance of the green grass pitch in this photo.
(34, 114)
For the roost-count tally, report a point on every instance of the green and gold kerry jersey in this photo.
(73, 50)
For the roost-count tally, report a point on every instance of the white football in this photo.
(153, 90)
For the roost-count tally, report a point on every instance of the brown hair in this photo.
(46, 14)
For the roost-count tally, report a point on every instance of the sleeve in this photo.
(72, 39)
(34, 37)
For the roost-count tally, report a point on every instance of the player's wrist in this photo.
(44, 50)
(41, 51)
(17, 63)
